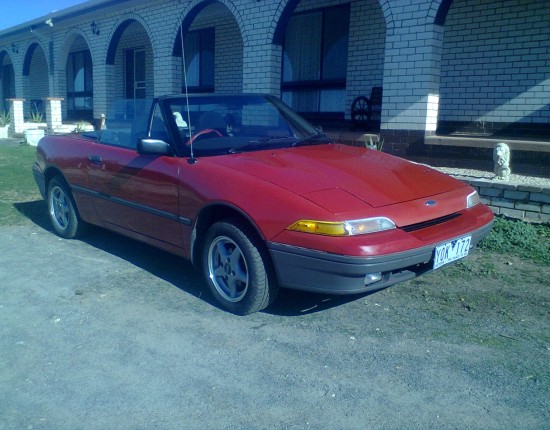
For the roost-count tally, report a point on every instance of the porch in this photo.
(530, 156)
(540, 144)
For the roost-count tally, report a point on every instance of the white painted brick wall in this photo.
(494, 55)
(411, 62)
(410, 76)
(261, 59)
(38, 80)
(496, 62)
(365, 51)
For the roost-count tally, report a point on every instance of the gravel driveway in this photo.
(109, 333)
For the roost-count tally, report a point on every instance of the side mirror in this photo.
(153, 147)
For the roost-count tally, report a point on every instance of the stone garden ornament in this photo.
(501, 158)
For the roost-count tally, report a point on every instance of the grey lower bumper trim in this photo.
(310, 270)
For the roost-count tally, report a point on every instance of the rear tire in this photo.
(237, 268)
(62, 209)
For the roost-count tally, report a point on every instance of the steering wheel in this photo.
(202, 133)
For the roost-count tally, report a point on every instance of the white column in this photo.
(17, 124)
(54, 118)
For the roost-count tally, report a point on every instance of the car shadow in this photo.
(36, 211)
(178, 271)
(181, 273)
(296, 303)
(164, 265)
(168, 267)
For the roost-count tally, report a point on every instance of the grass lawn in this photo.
(17, 184)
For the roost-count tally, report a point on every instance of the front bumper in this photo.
(310, 270)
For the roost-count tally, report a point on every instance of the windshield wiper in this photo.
(313, 139)
(273, 140)
(265, 143)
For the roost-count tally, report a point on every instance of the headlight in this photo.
(472, 200)
(343, 228)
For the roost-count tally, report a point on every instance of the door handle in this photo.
(95, 159)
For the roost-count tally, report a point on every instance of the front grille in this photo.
(432, 222)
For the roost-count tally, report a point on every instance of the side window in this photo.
(158, 128)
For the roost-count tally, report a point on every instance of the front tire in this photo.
(61, 209)
(237, 268)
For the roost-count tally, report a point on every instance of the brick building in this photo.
(445, 69)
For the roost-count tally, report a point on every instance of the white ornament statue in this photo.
(501, 157)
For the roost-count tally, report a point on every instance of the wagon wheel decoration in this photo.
(361, 110)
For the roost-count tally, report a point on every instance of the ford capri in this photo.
(257, 198)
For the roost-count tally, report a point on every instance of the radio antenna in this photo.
(191, 160)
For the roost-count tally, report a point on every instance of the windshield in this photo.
(231, 124)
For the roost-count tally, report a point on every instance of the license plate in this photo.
(451, 251)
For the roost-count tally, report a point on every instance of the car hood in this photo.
(335, 176)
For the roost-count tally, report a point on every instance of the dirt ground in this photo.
(109, 333)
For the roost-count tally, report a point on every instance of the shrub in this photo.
(520, 238)
(5, 118)
(35, 116)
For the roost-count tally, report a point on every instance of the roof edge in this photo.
(61, 15)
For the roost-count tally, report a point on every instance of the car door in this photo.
(136, 194)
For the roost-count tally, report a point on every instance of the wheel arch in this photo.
(54, 172)
(211, 214)
(50, 173)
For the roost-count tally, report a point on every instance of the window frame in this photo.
(206, 39)
(75, 113)
(318, 84)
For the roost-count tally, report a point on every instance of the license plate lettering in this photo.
(451, 251)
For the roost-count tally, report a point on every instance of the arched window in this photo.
(199, 60)
(79, 86)
(315, 54)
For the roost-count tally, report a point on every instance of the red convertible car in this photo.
(258, 198)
